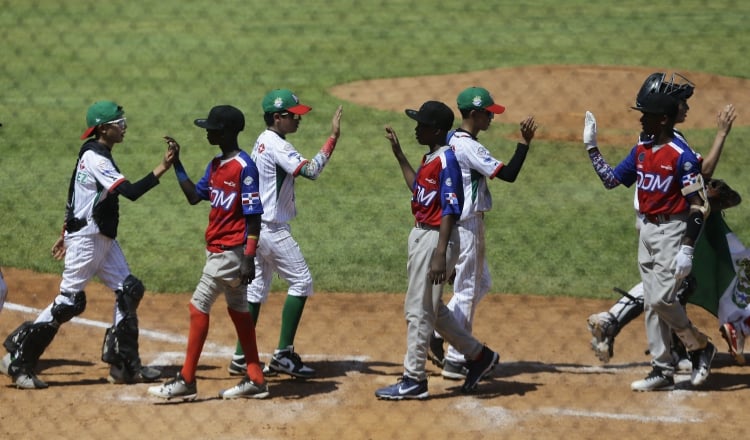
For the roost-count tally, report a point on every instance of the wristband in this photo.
(179, 170)
(330, 144)
(251, 245)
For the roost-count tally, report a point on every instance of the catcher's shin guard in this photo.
(27, 343)
(120, 346)
(627, 308)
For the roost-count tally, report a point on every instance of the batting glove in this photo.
(589, 131)
(683, 262)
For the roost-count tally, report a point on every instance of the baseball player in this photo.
(3, 291)
(230, 184)
(473, 280)
(90, 248)
(605, 326)
(279, 164)
(436, 202)
(673, 205)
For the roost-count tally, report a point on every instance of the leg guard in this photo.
(120, 345)
(629, 307)
(27, 343)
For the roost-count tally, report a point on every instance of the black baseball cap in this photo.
(434, 114)
(658, 103)
(223, 117)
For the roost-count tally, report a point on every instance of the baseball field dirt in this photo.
(548, 384)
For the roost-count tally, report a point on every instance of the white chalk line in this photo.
(210, 349)
(498, 414)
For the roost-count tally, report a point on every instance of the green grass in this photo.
(555, 232)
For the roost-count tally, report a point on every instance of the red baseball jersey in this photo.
(660, 173)
(231, 186)
(437, 188)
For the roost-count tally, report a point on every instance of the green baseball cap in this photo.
(99, 113)
(280, 100)
(475, 98)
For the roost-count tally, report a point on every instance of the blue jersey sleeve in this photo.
(250, 188)
(202, 187)
(451, 192)
(625, 172)
(689, 166)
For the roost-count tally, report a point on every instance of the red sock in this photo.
(196, 339)
(243, 323)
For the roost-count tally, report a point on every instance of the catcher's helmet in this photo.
(657, 83)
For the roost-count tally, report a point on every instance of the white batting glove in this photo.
(589, 131)
(683, 262)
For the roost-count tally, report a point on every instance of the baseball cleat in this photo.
(656, 380)
(246, 389)
(29, 381)
(118, 375)
(478, 368)
(405, 388)
(702, 364)
(287, 361)
(603, 328)
(454, 370)
(175, 388)
(735, 341)
(237, 366)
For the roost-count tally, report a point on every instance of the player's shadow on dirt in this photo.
(491, 388)
(332, 369)
(45, 364)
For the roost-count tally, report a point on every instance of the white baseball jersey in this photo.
(476, 165)
(278, 163)
(96, 177)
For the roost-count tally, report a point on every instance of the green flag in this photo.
(712, 265)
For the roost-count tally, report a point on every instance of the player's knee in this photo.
(130, 296)
(64, 312)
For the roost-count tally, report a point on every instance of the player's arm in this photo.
(406, 169)
(724, 121)
(187, 185)
(510, 171)
(314, 167)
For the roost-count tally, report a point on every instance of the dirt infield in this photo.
(548, 384)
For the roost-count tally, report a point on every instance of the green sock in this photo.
(291, 314)
(254, 309)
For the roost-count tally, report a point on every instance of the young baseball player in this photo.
(230, 184)
(279, 164)
(605, 326)
(90, 248)
(473, 280)
(672, 204)
(436, 202)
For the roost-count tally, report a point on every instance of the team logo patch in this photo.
(477, 101)
(687, 166)
(449, 182)
(248, 181)
(641, 157)
(278, 102)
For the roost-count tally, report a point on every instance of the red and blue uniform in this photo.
(660, 173)
(228, 184)
(437, 189)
